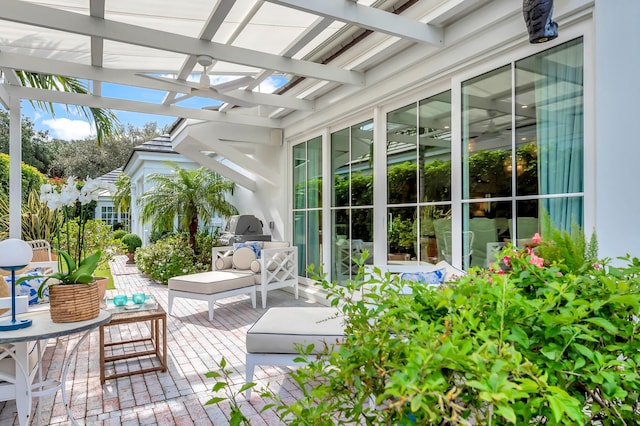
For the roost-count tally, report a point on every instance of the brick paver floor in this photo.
(175, 397)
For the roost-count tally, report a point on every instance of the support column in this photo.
(15, 170)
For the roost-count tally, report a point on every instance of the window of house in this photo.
(351, 198)
(307, 203)
(419, 180)
(522, 150)
(107, 213)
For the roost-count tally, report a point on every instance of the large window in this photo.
(307, 203)
(522, 150)
(419, 180)
(351, 197)
(519, 162)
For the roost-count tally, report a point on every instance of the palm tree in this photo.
(107, 123)
(189, 195)
(122, 196)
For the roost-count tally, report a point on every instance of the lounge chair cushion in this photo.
(243, 257)
(211, 282)
(280, 330)
(225, 262)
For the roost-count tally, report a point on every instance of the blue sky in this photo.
(69, 124)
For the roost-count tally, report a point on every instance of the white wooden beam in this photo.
(4, 97)
(15, 170)
(96, 9)
(193, 149)
(207, 135)
(216, 18)
(371, 18)
(48, 17)
(136, 106)
(53, 66)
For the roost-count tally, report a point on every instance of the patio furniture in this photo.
(21, 344)
(274, 266)
(212, 286)
(238, 270)
(485, 231)
(275, 337)
(155, 345)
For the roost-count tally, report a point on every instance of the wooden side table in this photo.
(157, 340)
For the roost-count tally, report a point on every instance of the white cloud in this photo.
(65, 129)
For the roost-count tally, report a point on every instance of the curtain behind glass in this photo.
(560, 135)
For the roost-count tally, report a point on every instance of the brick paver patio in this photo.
(174, 397)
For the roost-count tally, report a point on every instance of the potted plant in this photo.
(401, 239)
(131, 242)
(73, 292)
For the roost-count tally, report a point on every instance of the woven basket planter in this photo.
(74, 302)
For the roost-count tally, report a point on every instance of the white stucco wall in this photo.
(268, 202)
(617, 159)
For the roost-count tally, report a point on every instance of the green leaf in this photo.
(556, 407)
(215, 400)
(246, 386)
(507, 412)
(68, 260)
(601, 322)
(218, 386)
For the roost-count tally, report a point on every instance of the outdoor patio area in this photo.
(177, 396)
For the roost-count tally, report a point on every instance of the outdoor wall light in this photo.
(14, 254)
(537, 16)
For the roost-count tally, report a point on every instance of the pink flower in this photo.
(506, 260)
(536, 239)
(536, 260)
(597, 266)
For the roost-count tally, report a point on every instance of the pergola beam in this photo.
(215, 20)
(60, 20)
(96, 9)
(136, 106)
(371, 18)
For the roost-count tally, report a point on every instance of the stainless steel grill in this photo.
(241, 228)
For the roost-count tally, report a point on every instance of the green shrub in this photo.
(168, 258)
(97, 237)
(535, 345)
(118, 234)
(131, 242)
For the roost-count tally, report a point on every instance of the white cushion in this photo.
(275, 244)
(225, 262)
(243, 257)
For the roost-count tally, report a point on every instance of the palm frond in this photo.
(106, 122)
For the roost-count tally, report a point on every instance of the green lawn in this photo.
(105, 272)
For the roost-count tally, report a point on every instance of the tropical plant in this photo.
(105, 120)
(38, 222)
(122, 196)
(528, 344)
(190, 196)
(168, 258)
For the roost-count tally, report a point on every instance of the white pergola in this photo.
(320, 47)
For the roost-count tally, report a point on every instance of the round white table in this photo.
(16, 344)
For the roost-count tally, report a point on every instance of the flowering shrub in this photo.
(167, 258)
(528, 344)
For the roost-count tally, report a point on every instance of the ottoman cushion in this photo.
(280, 330)
(211, 282)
